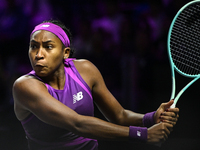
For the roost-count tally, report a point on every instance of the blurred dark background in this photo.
(125, 39)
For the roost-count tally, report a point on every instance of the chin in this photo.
(41, 73)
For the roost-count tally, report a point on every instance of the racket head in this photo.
(184, 40)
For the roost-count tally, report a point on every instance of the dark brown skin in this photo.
(31, 96)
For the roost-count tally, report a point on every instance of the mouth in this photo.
(39, 65)
(40, 68)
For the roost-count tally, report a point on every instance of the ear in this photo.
(66, 52)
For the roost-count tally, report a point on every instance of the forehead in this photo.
(42, 35)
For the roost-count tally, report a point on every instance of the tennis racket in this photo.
(183, 45)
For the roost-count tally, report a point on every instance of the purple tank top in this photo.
(77, 96)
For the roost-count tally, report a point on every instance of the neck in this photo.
(56, 80)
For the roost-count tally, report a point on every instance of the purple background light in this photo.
(125, 39)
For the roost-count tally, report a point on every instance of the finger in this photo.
(163, 137)
(170, 118)
(168, 104)
(170, 122)
(175, 110)
(168, 127)
(177, 116)
(171, 114)
(165, 127)
(166, 136)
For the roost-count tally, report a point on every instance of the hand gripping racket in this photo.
(184, 45)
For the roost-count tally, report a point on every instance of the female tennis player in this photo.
(54, 102)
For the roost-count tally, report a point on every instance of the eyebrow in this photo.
(42, 42)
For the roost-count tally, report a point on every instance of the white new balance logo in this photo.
(77, 97)
(45, 25)
(138, 133)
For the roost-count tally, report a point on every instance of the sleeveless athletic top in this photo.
(77, 96)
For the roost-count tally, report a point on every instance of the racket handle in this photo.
(173, 105)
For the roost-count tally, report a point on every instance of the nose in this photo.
(39, 54)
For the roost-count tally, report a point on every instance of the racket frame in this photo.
(173, 66)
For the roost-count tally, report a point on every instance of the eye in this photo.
(33, 46)
(49, 47)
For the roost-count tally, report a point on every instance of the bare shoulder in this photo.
(24, 89)
(21, 80)
(86, 67)
(21, 83)
(25, 83)
(84, 64)
(27, 87)
(88, 71)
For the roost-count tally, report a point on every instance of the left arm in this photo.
(110, 107)
(113, 111)
(105, 101)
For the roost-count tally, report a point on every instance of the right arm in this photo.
(31, 96)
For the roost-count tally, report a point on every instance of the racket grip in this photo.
(173, 105)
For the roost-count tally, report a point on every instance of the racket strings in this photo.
(185, 41)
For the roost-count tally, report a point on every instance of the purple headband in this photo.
(58, 31)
